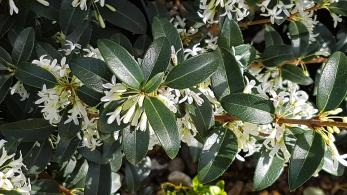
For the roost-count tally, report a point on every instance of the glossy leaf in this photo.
(98, 179)
(249, 108)
(134, 175)
(276, 55)
(339, 7)
(89, 96)
(157, 58)
(161, 27)
(126, 16)
(218, 153)
(23, 46)
(267, 171)
(38, 157)
(29, 130)
(295, 74)
(164, 125)
(330, 166)
(35, 76)
(135, 144)
(332, 84)
(121, 63)
(5, 58)
(92, 72)
(272, 37)
(246, 53)
(228, 77)
(193, 71)
(230, 35)
(300, 38)
(154, 83)
(5, 84)
(306, 158)
(70, 17)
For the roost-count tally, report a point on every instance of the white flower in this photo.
(43, 2)
(13, 7)
(71, 47)
(336, 19)
(81, 3)
(196, 50)
(189, 96)
(19, 89)
(11, 175)
(90, 135)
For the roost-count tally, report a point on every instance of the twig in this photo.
(314, 122)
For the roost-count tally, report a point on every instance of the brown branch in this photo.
(64, 190)
(267, 20)
(314, 122)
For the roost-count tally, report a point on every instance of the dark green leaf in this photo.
(268, 169)
(276, 55)
(272, 37)
(5, 58)
(161, 27)
(339, 7)
(122, 64)
(23, 46)
(70, 17)
(202, 116)
(141, 44)
(154, 83)
(126, 16)
(228, 77)
(231, 35)
(98, 179)
(300, 38)
(247, 54)
(249, 108)
(135, 144)
(88, 95)
(307, 155)
(5, 84)
(103, 126)
(332, 83)
(29, 130)
(35, 76)
(218, 153)
(91, 71)
(48, 50)
(157, 58)
(164, 125)
(44, 186)
(38, 157)
(330, 165)
(123, 41)
(193, 71)
(295, 74)
(134, 175)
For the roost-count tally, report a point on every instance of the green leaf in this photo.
(135, 144)
(5, 84)
(300, 38)
(121, 63)
(249, 108)
(218, 153)
(37, 159)
(70, 17)
(193, 71)
(88, 95)
(157, 58)
(35, 76)
(247, 54)
(154, 83)
(228, 77)
(92, 72)
(306, 158)
(267, 171)
(339, 8)
(332, 83)
(98, 180)
(44, 186)
(123, 41)
(5, 58)
(134, 175)
(231, 35)
(295, 74)
(29, 130)
(126, 16)
(47, 49)
(272, 37)
(23, 46)
(276, 55)
(164, 125)
(103, 126)
(162, 27)
(202, 116)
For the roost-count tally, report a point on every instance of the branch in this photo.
(313, 123)
(267, 20)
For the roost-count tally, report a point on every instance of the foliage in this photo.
(89, 87)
